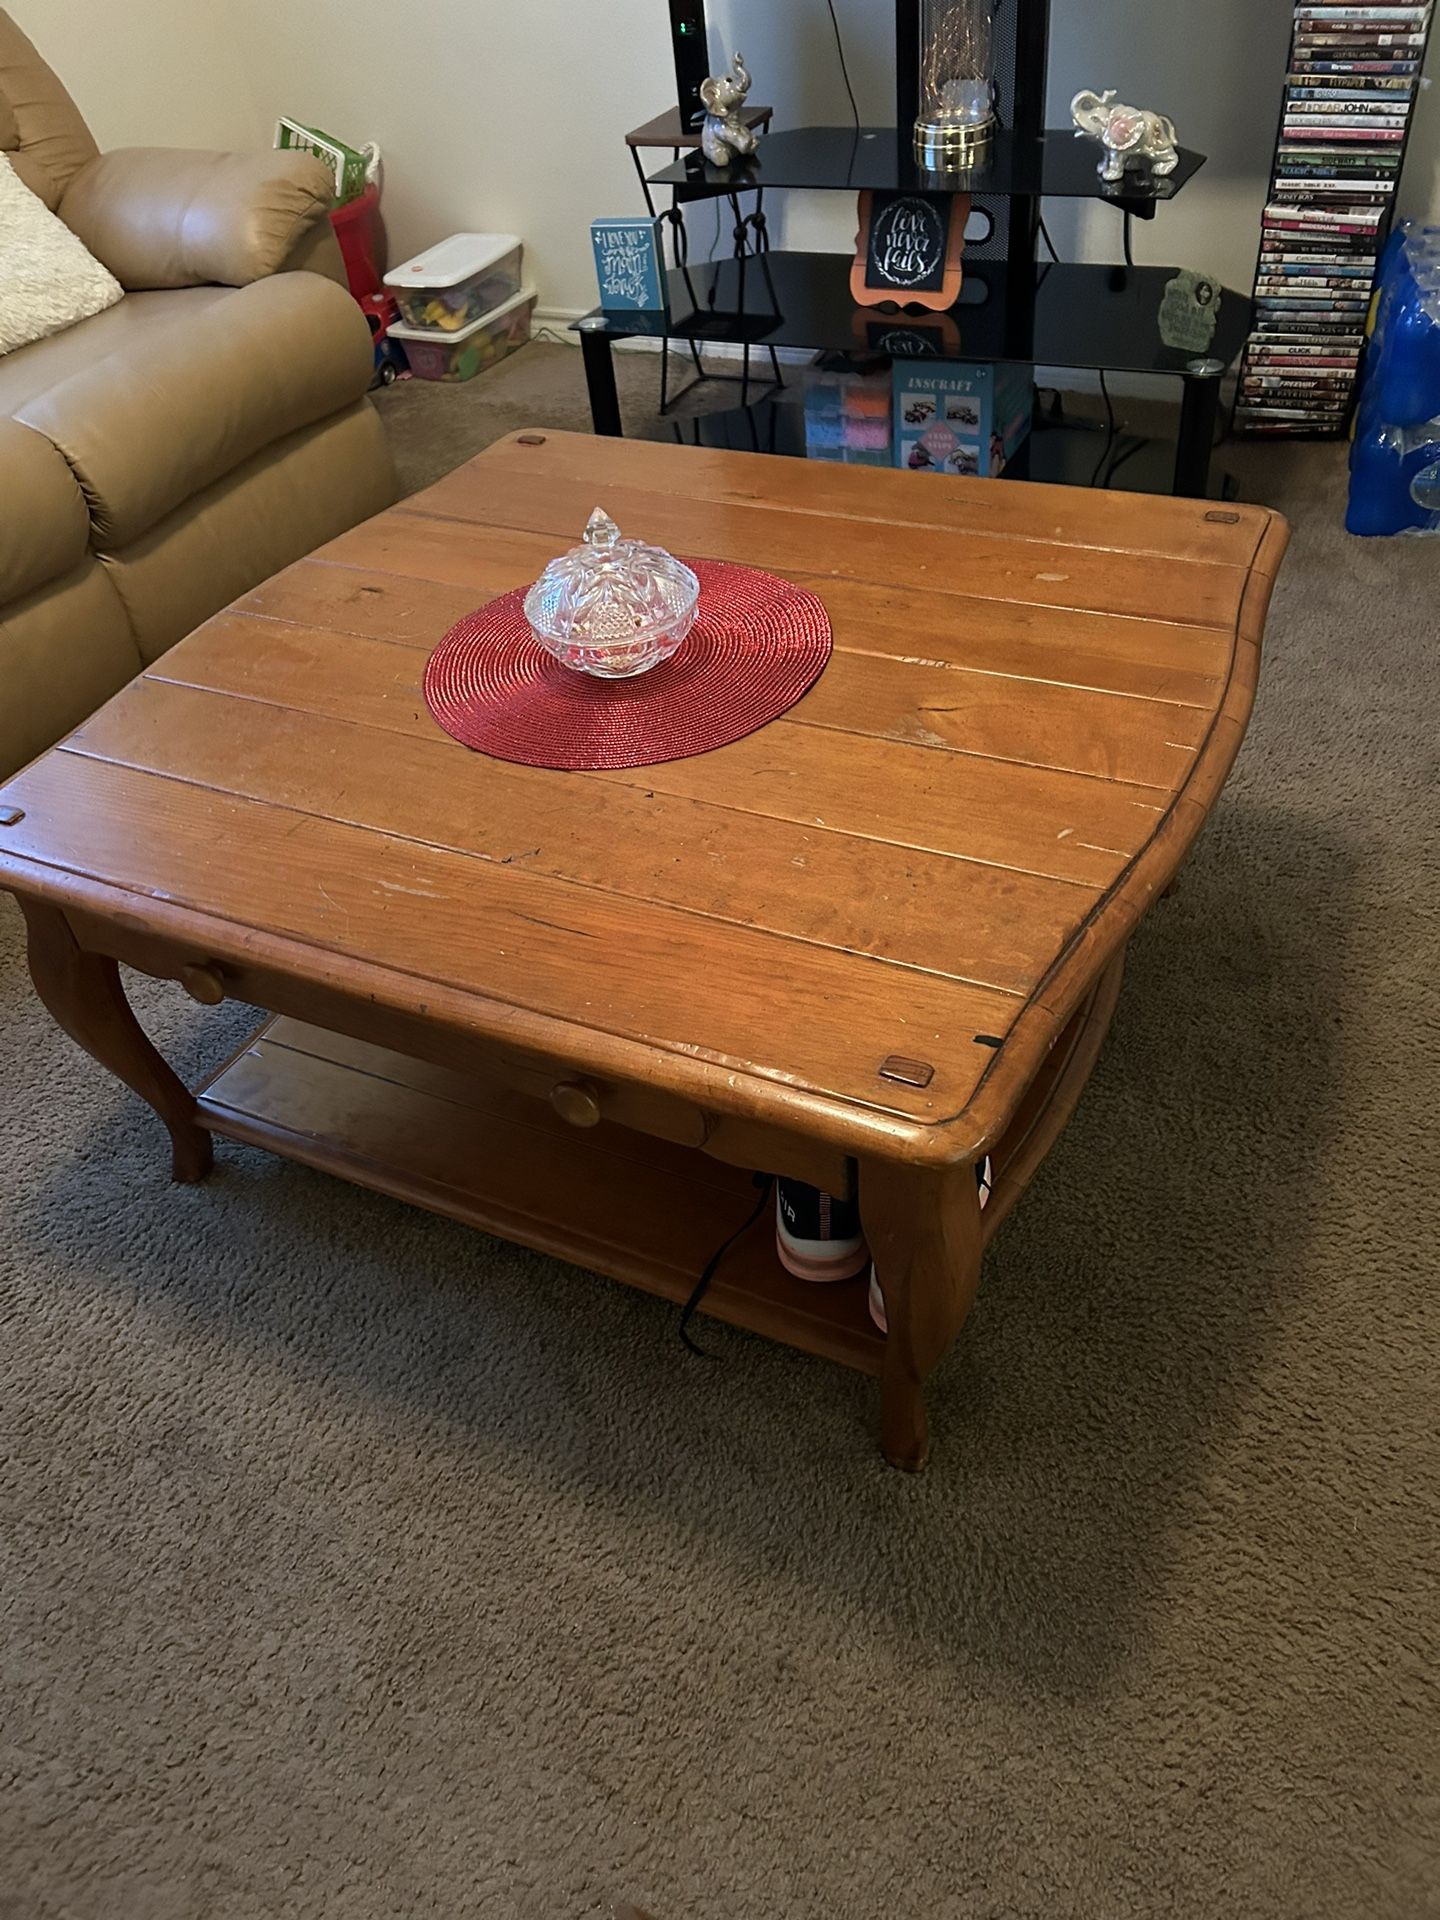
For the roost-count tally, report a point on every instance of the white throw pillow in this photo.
(48, 280)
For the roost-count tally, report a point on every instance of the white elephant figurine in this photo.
(725, 134)
(1132, 137)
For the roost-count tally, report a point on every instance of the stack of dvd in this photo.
(1349, 94)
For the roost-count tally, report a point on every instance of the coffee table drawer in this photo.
(564, 1093)
(584, 1100)
(580, 1099)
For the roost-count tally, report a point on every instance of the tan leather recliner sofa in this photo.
(175, 450)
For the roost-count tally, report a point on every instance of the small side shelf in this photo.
(1012, 307)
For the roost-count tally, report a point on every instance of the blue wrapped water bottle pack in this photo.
(1395, 457)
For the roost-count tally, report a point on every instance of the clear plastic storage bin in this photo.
(460, 356)
(458, 282)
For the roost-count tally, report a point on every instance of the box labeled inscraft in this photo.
(959, 416)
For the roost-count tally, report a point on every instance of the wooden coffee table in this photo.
(864, 946)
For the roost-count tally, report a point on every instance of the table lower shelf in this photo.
(638, 1209)
(642, 1210)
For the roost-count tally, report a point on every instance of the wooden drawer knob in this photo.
(577, 1101)
(204, 983)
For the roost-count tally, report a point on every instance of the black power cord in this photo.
(844, 65)
(764, 1181)
(1129, 256)
(1139, 447)
(1109, 431)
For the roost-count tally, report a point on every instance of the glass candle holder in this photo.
(956, 122)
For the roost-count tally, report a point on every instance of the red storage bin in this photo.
(361, 233)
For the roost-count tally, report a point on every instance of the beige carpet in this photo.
(355, 1565)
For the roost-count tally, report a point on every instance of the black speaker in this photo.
(692, 58)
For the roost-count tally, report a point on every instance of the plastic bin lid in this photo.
(437, 336)
(459, 258)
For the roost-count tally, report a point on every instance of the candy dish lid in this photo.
(609, 588)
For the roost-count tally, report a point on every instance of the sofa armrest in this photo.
(44, 527)
(171, 217)
(318, 251)
(149, 427)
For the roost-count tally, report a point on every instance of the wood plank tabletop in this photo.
(1034, 697)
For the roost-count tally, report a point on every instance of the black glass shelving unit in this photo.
(846, 159)
(1014, 306)
(1063, 452)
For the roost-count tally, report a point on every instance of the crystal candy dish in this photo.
(612, 607)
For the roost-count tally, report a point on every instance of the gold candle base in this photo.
(950, 146)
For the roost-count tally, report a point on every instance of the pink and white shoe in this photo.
(817, 1236)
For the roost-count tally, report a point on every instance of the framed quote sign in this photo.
(908, 251)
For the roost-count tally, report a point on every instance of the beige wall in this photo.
(493, 115)
(507, 114)
(1420, 195)
(150, 72)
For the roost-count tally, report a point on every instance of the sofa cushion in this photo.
(47, 279)
(52, 142)
(131, 325)
(156, 421)
(276, 508)
(44, 528)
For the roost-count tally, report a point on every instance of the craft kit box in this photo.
(955, 416)
(848, 416)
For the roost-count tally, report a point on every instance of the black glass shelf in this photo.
(1071, 454)
(838, 159)
(1057, 316)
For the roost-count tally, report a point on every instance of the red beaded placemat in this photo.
(757, 645)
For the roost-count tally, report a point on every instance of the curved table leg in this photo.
(83, 993)
(924, 1232)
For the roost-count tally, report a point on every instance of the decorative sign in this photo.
(908, 249)
(629, 265)
(1189, 311)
